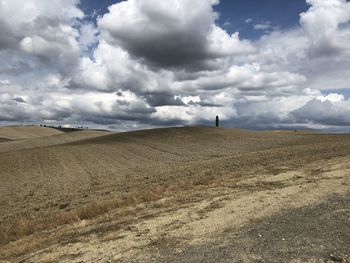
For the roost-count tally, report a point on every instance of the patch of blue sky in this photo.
(254, 18)
(251, 18)
(95, 8)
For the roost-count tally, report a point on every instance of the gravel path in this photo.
(315, 232)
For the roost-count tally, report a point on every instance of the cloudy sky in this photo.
(147, 63)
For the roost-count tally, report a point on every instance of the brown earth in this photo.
(40, 142)
(172, 195)
(25, 132)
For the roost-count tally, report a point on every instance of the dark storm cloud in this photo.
(168, 33)
(205, 104)
(159, 99)
(165, 51)
(155, 37)
(132, 108)
(20, 100)
(112, 118)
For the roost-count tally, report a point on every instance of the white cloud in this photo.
(332, 97)
(39, 38)
(18, 18)
(324, 17)
(169, 33)
(156, 62)
(318, 49)
(88, 36)
(221, 44)
(263, 26)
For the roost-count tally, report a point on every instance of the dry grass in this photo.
(27, 226)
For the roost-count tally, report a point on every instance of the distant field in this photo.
(97, 178)
(25, 132)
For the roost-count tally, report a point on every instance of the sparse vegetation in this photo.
(27, 226)
(66, 179)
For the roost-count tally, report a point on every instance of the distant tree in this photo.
(217, 122)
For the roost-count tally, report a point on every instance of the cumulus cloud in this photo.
(169, 33)
(324, 17)
(18, 18)
(318, 49)
(322, 24)
(154, 62)
(41, 40)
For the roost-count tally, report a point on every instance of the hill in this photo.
(112, 163)
(56, 139)
(25, 132)
(107, 177)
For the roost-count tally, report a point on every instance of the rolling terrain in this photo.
(166, 194)
(26, 132)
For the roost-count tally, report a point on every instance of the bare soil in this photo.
(177, 195)
(25, 132)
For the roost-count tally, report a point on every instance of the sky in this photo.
(135, 64)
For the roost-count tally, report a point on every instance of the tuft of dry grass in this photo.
(27, 226)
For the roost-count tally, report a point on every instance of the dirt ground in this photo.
(26, 132)
(217, 195)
